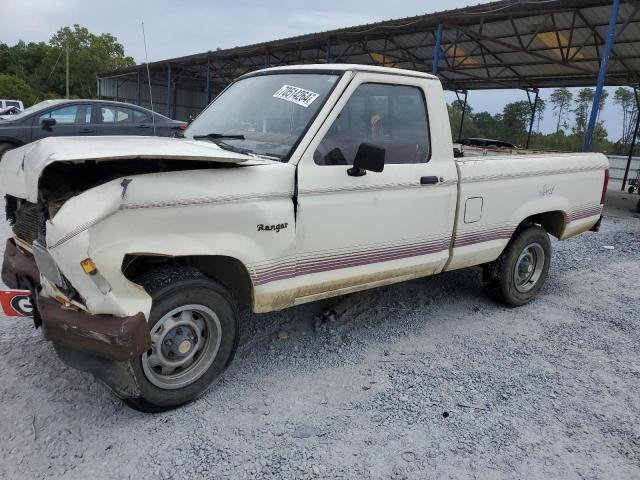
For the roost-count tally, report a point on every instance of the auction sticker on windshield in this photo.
(297, 95)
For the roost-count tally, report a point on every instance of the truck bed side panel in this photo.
(498, 193)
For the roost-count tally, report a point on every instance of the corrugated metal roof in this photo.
(504, 44)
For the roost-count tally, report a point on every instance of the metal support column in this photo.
(169, 91)
(533, 106)
(208, 88)
(633, 141)
(138, 96)
(436, 53)
(464, 112)
(328, 52)
(604, 63)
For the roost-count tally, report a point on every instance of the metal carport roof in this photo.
(504, 44)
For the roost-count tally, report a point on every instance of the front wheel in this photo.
(517, 276)
(194, 333)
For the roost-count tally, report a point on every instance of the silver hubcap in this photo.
(529, 267)
(184, 344)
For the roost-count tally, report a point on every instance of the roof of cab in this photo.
(346, 67)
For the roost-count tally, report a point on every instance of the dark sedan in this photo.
(65, 118)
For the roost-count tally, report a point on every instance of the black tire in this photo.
(171, 288)
(630, 190)
(500, 277)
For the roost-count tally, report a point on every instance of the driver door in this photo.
(70, 121)
(357, 232)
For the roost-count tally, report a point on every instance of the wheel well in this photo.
(14, 143)
(553, 222)
(229, 271)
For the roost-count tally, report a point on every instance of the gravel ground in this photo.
(428, 379)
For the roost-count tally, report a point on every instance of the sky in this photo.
(177, 28)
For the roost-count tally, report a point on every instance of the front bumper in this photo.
(104, 336)
(19, 271)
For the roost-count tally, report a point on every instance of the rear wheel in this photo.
(517, 276)
(194, 332)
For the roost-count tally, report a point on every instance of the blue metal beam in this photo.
(436, 53)
(169, 91)
(208, 91)
(604, 64)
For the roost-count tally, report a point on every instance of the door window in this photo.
(393, 117)
(116, 115)
(70, 115)
(140, 117)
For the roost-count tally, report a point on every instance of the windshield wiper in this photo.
(216, 136)
(268, 156)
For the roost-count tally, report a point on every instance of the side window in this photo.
(73, 114)
(140, 117)
(393, 117)
(116, 115)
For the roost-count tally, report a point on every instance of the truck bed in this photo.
(496, 192)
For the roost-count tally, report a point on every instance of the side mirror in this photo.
(48, 122)
(369, 157)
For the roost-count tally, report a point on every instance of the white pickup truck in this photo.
(295, 184)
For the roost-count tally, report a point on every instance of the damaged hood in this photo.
(21, 168)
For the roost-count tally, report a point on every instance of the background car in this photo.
(82, 118)
(11, 103)
(9, 111)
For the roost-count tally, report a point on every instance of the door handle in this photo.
(143, 126)
(86, 130)
(429, 180)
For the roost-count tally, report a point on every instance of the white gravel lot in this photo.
(427, 379)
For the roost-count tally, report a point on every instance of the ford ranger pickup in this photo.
(296, 184)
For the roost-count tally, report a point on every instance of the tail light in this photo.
(605, 184)
(184, 127)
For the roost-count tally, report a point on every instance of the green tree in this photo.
(625, 98)
(489, 126)
(30, 62)
(12, 87)
(561, 100)
(582, 105)
(88, 55)
(515, 121)
(455, 113)
(540, 109)
(603, 100)
(42, 65)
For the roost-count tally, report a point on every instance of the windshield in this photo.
(34, 108)
(264, 115)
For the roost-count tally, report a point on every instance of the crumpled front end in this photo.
(108, 337)
(61, 296)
